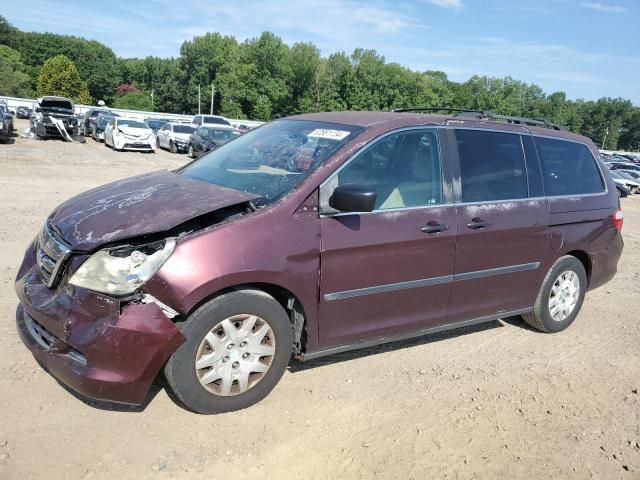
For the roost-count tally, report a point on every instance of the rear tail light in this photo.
(618, 219)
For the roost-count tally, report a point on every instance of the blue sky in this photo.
(586, 48)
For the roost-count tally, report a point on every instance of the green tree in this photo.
(15, 82)
(95, 62)
(303, 60)
(134, 101)
(202, 60)
(9, 35)
(60, 77)
(262, 109)
(630, 132)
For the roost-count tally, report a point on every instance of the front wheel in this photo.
(237, 349)
(560, 297)
(172, 147)
(190, 151)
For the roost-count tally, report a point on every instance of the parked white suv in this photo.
(175, 136)
(200, 120)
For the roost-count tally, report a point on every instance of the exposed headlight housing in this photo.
(122, 270)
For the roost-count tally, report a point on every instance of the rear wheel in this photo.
(237, 349)
(560, 298)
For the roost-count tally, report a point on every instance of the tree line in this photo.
(264, 76)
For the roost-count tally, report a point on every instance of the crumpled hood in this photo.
(135, 132)
(149, 203)
(183, 137)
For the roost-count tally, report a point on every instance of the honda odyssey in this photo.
(314, 235)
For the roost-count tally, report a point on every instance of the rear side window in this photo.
(568, 168)
(492, 166)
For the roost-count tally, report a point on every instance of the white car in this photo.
(128, 134)
(200, 120)
(625, 180)
(175, 136)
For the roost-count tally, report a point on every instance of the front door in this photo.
(388, 271)
(502, 225)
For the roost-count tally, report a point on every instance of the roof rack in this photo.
(486, 115)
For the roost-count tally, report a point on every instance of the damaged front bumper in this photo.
(97, 345)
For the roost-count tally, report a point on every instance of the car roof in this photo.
(393, 120)
(220, 126)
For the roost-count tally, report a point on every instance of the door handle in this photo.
(477, 223)
(434, 227)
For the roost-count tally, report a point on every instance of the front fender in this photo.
(263, 247)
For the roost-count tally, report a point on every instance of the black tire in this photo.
(190, 151)
(172, 147)
(540, 317)
(180, 372)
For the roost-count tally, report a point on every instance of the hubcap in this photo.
(564, 295)
(235, 355)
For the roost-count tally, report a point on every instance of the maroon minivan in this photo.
(313, 235)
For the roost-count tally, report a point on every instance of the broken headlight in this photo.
(122, 270)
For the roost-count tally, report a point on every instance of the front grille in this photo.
(136, 145)
(51, 254)
(39, 333)
(48, 341)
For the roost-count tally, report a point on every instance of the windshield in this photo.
(184, 129)
(56, 104)
(215, 120)
(155, 123)
(271, 160)
(132, 123)
(102, 121)
(217, 135)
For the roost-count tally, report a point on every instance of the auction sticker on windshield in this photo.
(329, 134)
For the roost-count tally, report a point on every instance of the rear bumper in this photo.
(96, 345)
(604, 264)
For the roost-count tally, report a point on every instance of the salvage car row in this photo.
(625, 171)
(203, 134)
(54, 117)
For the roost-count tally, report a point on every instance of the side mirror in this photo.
(353, 198)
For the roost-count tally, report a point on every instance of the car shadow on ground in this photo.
(299, 366)
(156, 387)
(296, 366)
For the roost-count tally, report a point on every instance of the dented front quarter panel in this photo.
(125, 344)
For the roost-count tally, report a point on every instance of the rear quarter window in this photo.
(568, 168)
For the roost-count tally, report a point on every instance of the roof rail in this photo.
(486, 115)
(439, 109)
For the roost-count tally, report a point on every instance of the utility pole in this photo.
(213, 92)
(604, 142)
(199, 99)
(152, 109)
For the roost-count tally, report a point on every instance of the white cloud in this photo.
(451, 4)
(603, 8)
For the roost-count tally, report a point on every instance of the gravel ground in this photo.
(494, 401)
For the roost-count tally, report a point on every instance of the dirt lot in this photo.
(497, 401)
